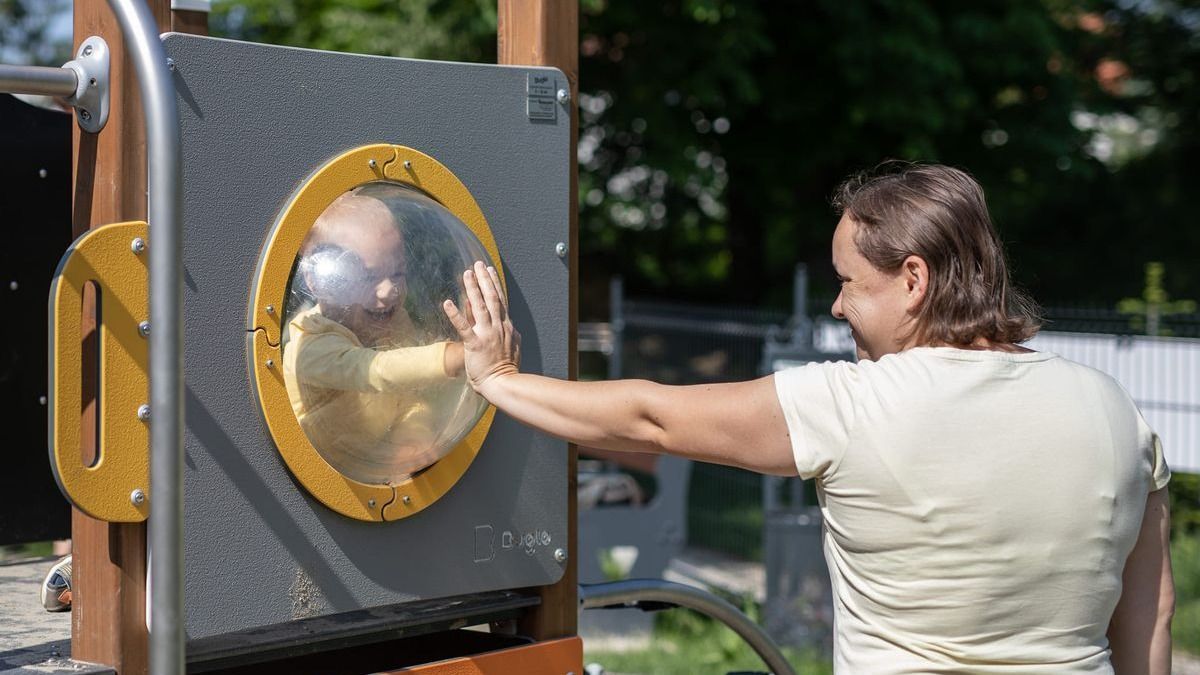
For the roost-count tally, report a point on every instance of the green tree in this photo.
(738, 120)
(1146, 204)
(1155, 304)
(35, 32)
(459, 30)
(713, 131)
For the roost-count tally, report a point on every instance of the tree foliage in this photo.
(808, 97)
(462, 30)
(27, 35)
(713, 131)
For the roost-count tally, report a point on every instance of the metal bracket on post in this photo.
(91, 68)
(82, 82)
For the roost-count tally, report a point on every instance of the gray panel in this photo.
(256, 121)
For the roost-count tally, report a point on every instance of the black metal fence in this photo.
(1097, 319)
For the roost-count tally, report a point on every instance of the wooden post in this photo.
(108, 608)
(546, 33)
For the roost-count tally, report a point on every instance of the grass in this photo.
(40, 549)
(686, 643)
(1185, 558)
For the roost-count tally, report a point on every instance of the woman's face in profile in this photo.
(874, 302)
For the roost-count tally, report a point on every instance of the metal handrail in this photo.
(38, 80)
(652, 594)
(163, 178)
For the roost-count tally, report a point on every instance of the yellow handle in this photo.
(116, 488)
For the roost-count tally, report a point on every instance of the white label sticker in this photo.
(540, 91)
(542, 109)
(540, 85)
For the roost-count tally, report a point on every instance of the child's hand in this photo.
(491, 346)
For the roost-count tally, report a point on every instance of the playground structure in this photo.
(287, 554)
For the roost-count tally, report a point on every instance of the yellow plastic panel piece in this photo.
(344, 495)
(359, 166)
(107, 257)
(427, 487)
(366, 164)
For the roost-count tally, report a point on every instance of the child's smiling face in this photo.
(369, 267)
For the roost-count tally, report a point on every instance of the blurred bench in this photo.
(656, 528)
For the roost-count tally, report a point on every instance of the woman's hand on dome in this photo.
(491, 346)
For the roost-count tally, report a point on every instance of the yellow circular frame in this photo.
(365, 164)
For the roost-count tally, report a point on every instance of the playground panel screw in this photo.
(270, 363)
(83, 113)
(87, 51)
(144, 329)
(42, 400)
(372, 163)
(42, 173)
(137, 496)
(408, 165)
(137, 245)
(560, 555)
(371, 503)
(560, 249)
(563, 96)
(12, 285)
(171, 65)
(270, 309)
(406, 499)
(143, 412)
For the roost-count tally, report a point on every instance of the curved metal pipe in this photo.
(163, 174)
(632, 592)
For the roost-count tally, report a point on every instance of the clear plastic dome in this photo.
(372, 366)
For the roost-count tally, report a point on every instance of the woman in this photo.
(988, 509)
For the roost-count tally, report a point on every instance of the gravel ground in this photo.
(1183, 664)
(23, 622)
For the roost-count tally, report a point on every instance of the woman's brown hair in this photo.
(939, 214)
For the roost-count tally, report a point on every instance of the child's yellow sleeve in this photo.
(405, 367)
(333, 362)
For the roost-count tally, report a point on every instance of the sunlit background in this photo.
(712, 133)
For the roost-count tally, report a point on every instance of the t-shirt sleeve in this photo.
(1152, 448)
(818, 402)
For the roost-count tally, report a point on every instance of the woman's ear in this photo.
(915, 273)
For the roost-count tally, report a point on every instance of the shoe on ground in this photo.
(56, 589)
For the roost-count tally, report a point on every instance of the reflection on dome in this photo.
(371, 363)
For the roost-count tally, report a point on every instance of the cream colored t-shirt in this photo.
(979, 506)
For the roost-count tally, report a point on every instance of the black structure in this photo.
(35, 218)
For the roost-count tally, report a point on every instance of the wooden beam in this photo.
(108, 622)
(546, 33)
(185, 21)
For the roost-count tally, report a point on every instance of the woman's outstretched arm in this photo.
(739, 424)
